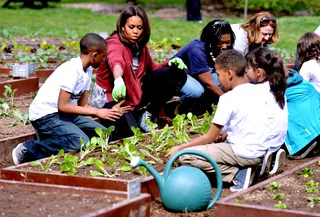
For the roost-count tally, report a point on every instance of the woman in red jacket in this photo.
(129, 73)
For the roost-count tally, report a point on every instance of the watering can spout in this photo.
(136, 161)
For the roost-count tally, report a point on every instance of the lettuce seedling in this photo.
(279, 196)
(280, 205)
(274, 186)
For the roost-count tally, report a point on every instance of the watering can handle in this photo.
(208, 158)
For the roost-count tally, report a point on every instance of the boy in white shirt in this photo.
(242, 115)
(56, 112)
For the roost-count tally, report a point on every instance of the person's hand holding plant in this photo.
(119, 89)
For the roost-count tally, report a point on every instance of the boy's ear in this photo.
(94, 54)
(230, 74)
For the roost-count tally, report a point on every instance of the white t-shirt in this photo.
(277, 118)
(317, 30)
(310, 71)
(241, 43)
(69, 77)
(243, 113)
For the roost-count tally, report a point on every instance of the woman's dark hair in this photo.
(309, 47)
(130, 12)
(212, 33)
(272, 64)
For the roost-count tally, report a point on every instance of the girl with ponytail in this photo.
(265, 69)
(266, 66)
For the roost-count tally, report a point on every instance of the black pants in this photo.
(193, 10)
(158, 87)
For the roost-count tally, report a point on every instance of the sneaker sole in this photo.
(14, 156)
(279, 162)
(266, 164)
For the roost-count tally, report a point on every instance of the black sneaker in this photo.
(19, 154)
(242, 180)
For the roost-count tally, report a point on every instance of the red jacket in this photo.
(118, 53)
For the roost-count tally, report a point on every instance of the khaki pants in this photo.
(222, 153)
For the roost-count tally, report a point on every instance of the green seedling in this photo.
(101, 171)
(4, 104)
(104, 135)
(306, 172)
(137, 135)
(21, 118)
(238, 202)
(312, 183)
(70, 164)
(313, 200)
(52, 160)
(279, 196)
(312, 190)
(280, 206)
(180, 124)
(88, 148)
(274, 186)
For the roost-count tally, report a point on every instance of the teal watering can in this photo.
(185, 188)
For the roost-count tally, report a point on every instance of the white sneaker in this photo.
(19, 154)
(143, 123)
(279, 162)
(266, 163)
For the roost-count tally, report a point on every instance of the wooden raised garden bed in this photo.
(113, 158)
(8, 144)
(292, 193)
(16, 173)
(23, 86)
(34, 199)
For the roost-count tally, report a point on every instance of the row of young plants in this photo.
(12, 49)
(8, 109)
(22, 53)
(112, 159)
(311, 187)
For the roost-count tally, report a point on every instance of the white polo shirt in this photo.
(69, 77)
(243, 112)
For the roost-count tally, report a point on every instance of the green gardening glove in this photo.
(119, 89)
(178, 62)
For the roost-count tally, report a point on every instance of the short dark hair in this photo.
(92, 42)
(232, 60)
(130, 12)
(212, 33)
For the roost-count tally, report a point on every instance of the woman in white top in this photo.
(309, 58)
(259, 31)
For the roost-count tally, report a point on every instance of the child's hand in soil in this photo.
(173, 150)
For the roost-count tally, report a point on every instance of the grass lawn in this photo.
(67, 22)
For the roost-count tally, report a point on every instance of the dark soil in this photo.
(293, 187)
(6, 127)
(16, 201)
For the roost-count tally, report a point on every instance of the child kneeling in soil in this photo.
(56, 112)
(242, 113)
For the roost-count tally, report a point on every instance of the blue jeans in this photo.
(60, 131)
(193, 89)
(195, 98)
